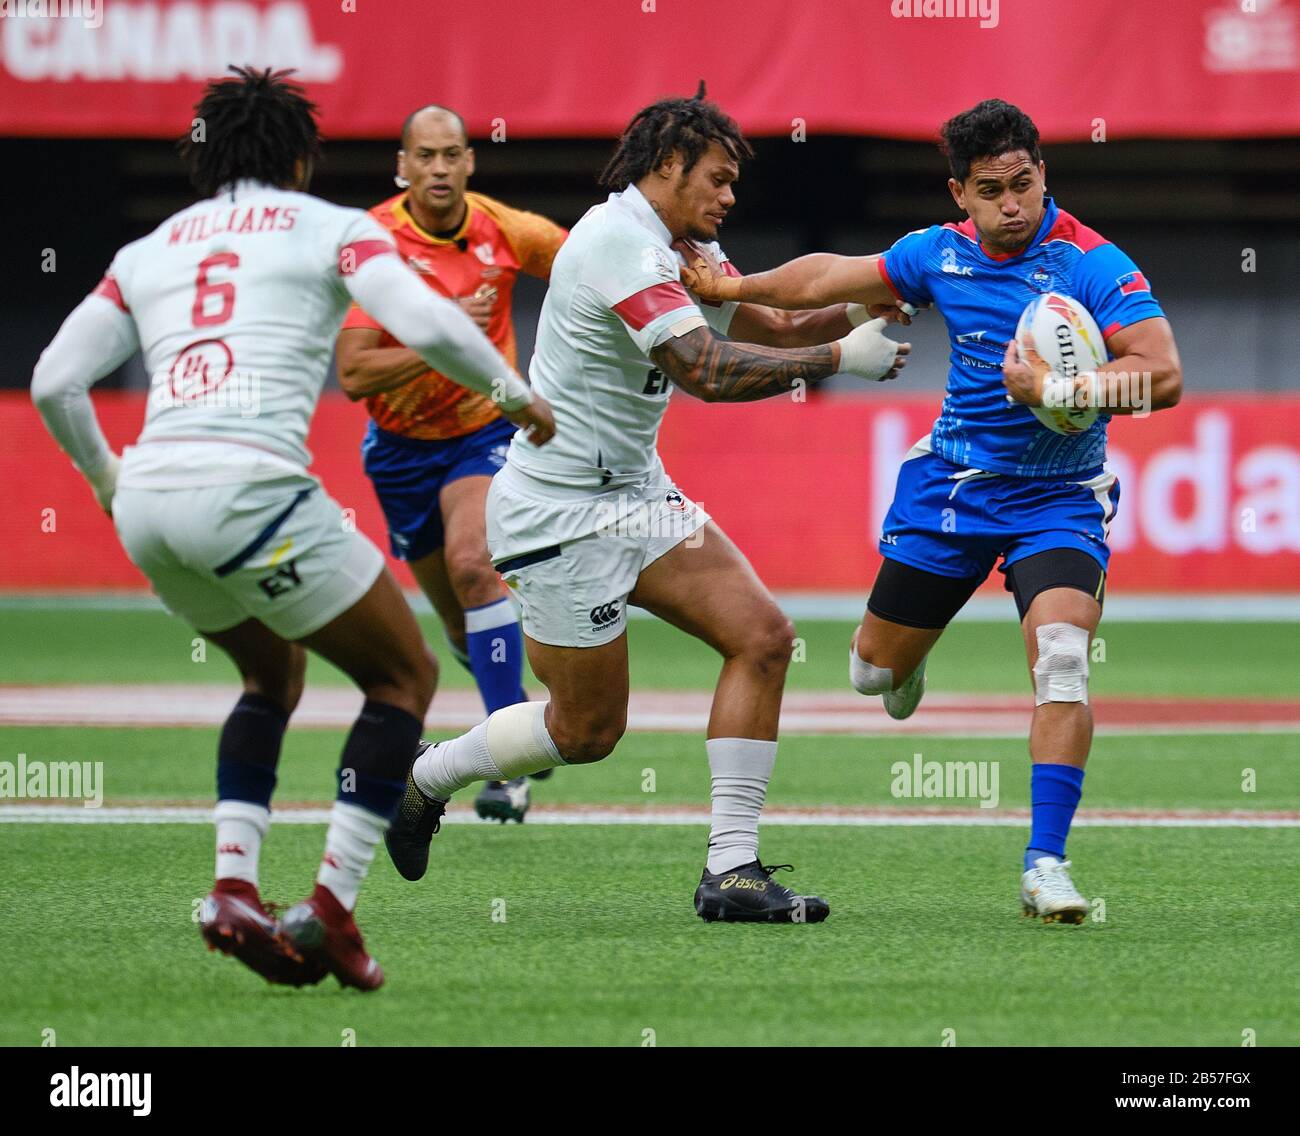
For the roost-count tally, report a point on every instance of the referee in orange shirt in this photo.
(432, 446)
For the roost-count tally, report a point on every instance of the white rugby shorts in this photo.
(571, 557)
(278, 551)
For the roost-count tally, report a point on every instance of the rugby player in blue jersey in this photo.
(990, 480)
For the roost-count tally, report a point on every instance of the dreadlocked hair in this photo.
(257, 125)
(684, 126)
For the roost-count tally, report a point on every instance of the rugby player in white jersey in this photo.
(593, 522)
(235, 303)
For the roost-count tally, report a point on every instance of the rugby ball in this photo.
(1069, 341)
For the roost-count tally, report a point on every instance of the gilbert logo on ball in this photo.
(1069, 341)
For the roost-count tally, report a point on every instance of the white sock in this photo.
(512, 742)
(241, 826)
(741, 769)
(350, 844)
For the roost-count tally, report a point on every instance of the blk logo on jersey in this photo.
(950, 265)
(675, 500)
(284, 579)
(605, 614)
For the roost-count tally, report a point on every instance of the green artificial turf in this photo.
(69, 645)
(580, 936)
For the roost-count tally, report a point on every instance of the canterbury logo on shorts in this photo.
(606, 614)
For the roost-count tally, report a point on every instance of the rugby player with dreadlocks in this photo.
(593, 522)
(235, 302)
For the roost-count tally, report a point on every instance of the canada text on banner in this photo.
(893, 68)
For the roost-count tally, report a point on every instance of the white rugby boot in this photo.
(902, 703)
(1047, 892)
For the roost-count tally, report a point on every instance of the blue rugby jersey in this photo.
(980, 296)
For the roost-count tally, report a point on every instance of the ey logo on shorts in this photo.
(605, 614)
(283, 579)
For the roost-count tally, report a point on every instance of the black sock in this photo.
(377, 756)
(249, 750)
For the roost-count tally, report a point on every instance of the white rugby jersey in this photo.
(614, 294)
(235, 303)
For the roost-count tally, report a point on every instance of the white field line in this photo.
(857, 818)
(803, 712)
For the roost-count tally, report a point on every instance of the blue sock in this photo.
(496, 653)
(1055, 791)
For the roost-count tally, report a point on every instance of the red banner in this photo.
(1210, 491)
(1098, 70)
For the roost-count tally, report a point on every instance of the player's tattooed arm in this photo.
(715, 369)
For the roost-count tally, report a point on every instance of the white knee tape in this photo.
(1061, 673)
(868, 679)
(518, 740)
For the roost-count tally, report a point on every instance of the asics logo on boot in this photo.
(743, 884)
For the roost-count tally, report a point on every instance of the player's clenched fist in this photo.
(868, 352)
(535, 420)
(1024, 378)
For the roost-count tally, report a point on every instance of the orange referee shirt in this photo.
(498, 244)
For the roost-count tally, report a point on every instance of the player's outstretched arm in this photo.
(95, 339)
(814, 281)
(446, 339)
(777, 327)
(715, 369)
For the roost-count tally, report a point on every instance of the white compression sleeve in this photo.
(435, 329)
(95, 339)
(513, 742)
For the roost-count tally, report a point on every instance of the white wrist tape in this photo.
(867, 352)
(1061, 673)
(1077, 393)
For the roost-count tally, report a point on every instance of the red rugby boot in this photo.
(234, 922)
(325, 934)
